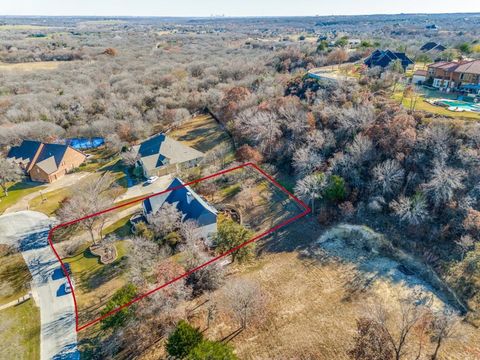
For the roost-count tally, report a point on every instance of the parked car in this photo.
(68, 288)
(152, 179)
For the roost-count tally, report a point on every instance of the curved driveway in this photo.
(28, 231)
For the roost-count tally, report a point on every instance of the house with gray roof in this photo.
(45, 162)
(384, 58)
(189, 204)
(161, 155)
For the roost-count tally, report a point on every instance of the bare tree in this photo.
(244, 298)
(388, 176)
(311, 187)
(465, 243)
(398, 326)
(442, 329)
(89, 198)
(9, 172)
(443, 184)
(371, 342)
(412, 210)
(305, 160)
(130, 157)
(166, 220)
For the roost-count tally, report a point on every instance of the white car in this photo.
(152, 179)
(68, 288)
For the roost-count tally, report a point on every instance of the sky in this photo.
(201, 8)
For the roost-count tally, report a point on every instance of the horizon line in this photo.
(239, 16)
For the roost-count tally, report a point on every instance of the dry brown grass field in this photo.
(310, 314)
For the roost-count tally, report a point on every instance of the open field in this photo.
(30, 66)
(312, 307)
(202, 133)
(20, 332)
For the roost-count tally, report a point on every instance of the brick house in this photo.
(455, 75)
(45, 162)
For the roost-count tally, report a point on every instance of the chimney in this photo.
(189, 197)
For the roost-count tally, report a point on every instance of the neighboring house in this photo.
(161, 155)
(383, 59)
(432, 47)
(190, 205)
(455, 76)
(354, 42)
(419, 77)
(45, 162)
(432, 27)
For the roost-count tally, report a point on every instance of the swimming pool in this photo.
(457, 105)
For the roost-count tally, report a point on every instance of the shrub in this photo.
(212, 350)
(336, 190)
(183, 340)
(121, 297)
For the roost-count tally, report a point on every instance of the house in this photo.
(45, 162)
(432, 47)
(432, 27)
(455, 75)
(419, 77)
(383, 59)
(190, 205)
(161, 155)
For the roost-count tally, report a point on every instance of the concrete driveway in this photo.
(28, 230)
(144, 189)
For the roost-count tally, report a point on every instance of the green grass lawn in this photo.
(16, 192)
(95, 282)
(422, 105)
(14, 275)
(85, 264)
(20, 333)
(121, 228)
(50, 202)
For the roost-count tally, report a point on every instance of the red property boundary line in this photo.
(218, 257)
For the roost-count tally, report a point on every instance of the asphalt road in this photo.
(29, 230)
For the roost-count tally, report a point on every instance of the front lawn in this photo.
(20, 332)
(16, 192)
(121, 228)
(95, 282)
(49, 203)
(14, 277)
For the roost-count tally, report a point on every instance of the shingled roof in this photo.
(25, 152)
(47, 157)
(189, 203)
(429, 46)
(383, 58)
(162, 150)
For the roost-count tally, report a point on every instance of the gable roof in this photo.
(467, 67)
(432, 46)
(161, 150)
(189, 203)
(471, 67)
(25, 152)
(383, 58)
